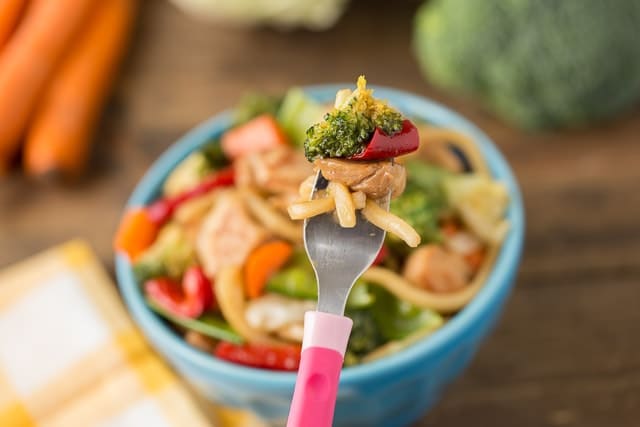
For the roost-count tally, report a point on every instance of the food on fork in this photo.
(354, 147)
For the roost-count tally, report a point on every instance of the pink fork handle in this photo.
(325, 341)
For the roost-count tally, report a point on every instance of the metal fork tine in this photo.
(339, 255)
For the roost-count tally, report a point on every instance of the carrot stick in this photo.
(60, 134)
(10, 13)
(136, 233)
(28, 61)
(262, 263)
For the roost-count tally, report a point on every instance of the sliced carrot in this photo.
(10, 13)
(28, 61)
(259, 134)
(262, 263)
(135, 234)
(60, 134)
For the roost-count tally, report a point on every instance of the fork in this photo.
(339, 256)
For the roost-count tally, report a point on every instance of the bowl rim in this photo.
(499, 281)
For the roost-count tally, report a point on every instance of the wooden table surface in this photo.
(567, 351)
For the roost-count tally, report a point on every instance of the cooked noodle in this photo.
(264, 212)
(440, 302)
(391, 223)
(345, 209)
(311, 208)
(230, 297)
(359, 199)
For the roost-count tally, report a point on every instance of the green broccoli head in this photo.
(421, 210)
(346, 130)
(537, 63)
(170, 255)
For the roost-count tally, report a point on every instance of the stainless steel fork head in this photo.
(339, 255)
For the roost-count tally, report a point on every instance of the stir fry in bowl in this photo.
(218, 256)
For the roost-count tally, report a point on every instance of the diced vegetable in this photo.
(360, 296)
(481, 202)
(281, 358)
(295, 282)
(259, 134)
(365, 336)
(382, 255)
(136, 233)
(300, 282)
(170, 255)
(383, 146)
(214, 154)
(297, 113)
(262, 263)
(255, 104)
(188, 174)
(207, 324)
(396, 319)
(161, 210)
(189, 299)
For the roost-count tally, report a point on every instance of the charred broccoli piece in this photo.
(346, 129)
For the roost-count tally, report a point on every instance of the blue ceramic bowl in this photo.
(394, 391)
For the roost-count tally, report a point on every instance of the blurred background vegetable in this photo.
(311, 14)
(536, 63)
(55, 74)
(62, 127)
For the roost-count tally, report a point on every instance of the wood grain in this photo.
(567, 352)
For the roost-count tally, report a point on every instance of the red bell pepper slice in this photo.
(280, 358)
(161, 210)
(382, 255)
(187, 299)
(383, 146)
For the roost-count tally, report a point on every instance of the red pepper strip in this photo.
(161, 210)
(383, 146)
(189, 299)
(382, 255)
(280, 358)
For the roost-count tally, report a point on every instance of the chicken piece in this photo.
(227, 234)
(433, 268)
(375, 179)
(277, 171)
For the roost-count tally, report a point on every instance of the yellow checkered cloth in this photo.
(70, 356)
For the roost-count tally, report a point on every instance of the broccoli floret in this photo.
(365, 336)
(346, 129)
(423, 201)
(170, 255)
(255, 104)
(420, 210)
(215, 155)
(537, 63)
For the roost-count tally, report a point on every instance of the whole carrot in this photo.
(10, 12)
(28, 61)
(58, 139)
